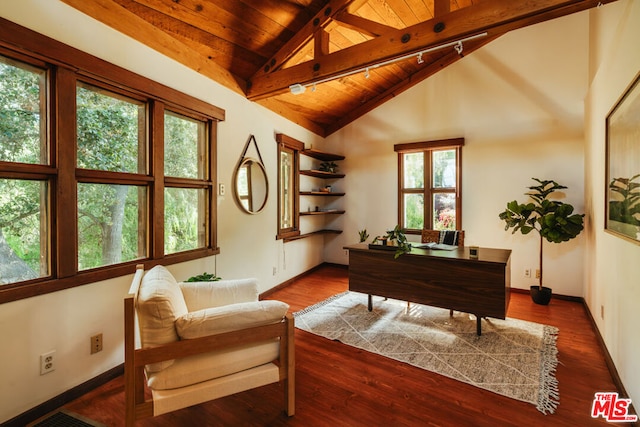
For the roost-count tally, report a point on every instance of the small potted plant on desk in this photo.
(396, 239)
(552, 219)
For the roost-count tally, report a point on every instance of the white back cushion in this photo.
(200, 295)
(160, 303)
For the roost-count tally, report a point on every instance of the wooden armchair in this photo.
(202, 341)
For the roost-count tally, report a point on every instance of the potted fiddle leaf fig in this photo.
(553, 220)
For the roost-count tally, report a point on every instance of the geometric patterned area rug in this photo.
(512, 357)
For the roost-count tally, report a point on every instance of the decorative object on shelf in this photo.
(394, 240)
(204, 277)
(330, 167)
(363, 235)
(250, 183)
(552, 219)
(623, 166)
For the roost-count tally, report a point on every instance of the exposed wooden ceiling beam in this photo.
(300, 39)
(493, 16)
(116, 16)
(441, 8)
(321, 43)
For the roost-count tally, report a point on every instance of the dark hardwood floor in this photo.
(339, 385)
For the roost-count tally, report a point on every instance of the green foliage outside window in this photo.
(184, 208)
(109, 218)
(21, 114)
(440, 178)
(110, 132)
(112, 218)
(184, 147)
(23, 203)
(184, 226)
(444, 169)
(110, 136)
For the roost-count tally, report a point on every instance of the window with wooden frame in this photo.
(100, 169)
(26, 174)
(429, 185)
(111, 172)
(187, 195)
(288, 186)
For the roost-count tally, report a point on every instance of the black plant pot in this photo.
(539, 295)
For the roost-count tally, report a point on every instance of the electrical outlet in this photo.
(527, 273)
(537, 273)
(275, 270)
(222, 190)
(96, 343)
(602, 312)
(47, 362)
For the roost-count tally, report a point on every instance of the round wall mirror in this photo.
(251, 185)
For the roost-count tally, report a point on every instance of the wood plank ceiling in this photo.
(260, 48)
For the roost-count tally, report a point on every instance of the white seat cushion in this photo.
(160, 303)
(232, 317)
(204, 367)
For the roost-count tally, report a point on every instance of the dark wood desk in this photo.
(446, 279)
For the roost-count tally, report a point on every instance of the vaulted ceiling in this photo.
(350, 55)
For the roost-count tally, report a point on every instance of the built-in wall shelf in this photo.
(313, 233)
(321, 193)
(325, 212)
(317, 188)
(320, 155)
(321, 174)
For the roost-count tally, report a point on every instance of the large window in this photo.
(429, 185)
(100, 169)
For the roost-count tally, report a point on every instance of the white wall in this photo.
(612, 269)
(518, 103)
(65, 320)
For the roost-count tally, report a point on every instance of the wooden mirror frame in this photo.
(255, 205)
(260, 175)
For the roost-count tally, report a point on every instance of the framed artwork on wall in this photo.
(622, 202)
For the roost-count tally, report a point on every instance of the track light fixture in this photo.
(458, 47)
(299, 88)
